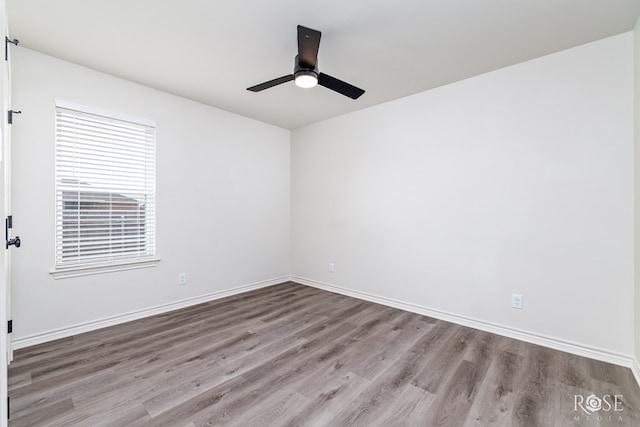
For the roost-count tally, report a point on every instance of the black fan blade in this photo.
(308, 45)
(271, 83)
(339, 86)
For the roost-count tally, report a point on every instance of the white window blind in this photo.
(105, 189)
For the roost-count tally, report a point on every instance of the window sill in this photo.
(87, 270)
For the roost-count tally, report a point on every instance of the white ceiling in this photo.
(211, 51)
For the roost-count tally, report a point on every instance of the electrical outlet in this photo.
(332, 267)
(182, 278)
(516, 301)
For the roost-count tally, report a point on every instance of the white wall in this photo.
(516, 181)
(222, 191)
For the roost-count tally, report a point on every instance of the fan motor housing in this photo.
(301, 69)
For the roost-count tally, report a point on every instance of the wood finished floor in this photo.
(292, 355)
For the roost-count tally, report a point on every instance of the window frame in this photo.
(111, 261)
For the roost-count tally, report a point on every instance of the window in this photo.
(105, 189)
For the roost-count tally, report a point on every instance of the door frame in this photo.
(5, 185)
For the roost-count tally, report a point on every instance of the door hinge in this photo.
(10, 326)
(7, 40)
(10, 114)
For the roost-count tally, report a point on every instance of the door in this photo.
(5, 206)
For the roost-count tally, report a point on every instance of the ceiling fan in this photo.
(305, 70)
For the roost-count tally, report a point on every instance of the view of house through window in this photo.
(105, 189)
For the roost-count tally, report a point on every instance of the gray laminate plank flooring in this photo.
(291, 355)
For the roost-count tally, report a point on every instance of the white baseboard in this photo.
(636, 370)
(138, 314)
(546, 341)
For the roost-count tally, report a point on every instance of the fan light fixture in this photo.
(306, 79)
